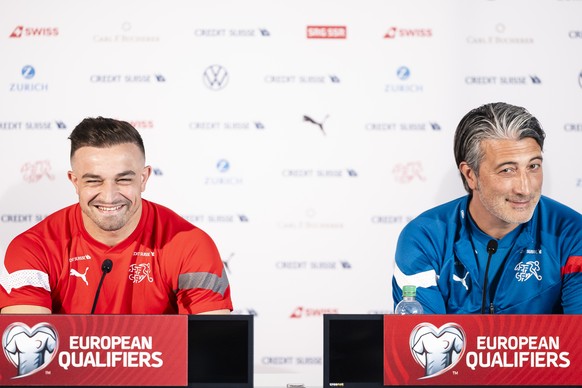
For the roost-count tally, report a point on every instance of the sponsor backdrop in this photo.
(302, 136)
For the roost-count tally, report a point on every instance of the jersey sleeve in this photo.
(572, 271)
(25, 278)
(416, 264)
(202, 280)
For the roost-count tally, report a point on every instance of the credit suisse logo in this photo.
(289, 360)
(234, 125)
(21, 218)
(32, 125)
(390, 126)
(309, 79)
(30, 349)
(573, 127)
(319, 173)
(231, 32)
(29, 32)
(305, 265)
(503, 80)
(390, 219)
(327, 32)
(126, 78)
(224, 218)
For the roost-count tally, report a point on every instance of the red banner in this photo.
(482, 350)
(94, 350)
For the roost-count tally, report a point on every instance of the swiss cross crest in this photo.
(139, 272)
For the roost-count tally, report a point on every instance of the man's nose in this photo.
(523, 184)
(109, 191)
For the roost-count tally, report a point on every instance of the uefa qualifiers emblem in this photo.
(437, 350)
(30, 349)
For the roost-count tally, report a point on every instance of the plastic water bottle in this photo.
(408, 304)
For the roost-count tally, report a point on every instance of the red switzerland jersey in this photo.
(167, 265)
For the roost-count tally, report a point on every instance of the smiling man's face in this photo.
(508, 186)
(109, 182)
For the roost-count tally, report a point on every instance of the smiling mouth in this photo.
(521, 203)
(109, 208)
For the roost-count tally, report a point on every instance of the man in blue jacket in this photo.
(504, 248)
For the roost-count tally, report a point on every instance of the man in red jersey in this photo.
(160, 263)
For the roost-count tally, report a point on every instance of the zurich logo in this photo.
(437, 350)
(222, 165)
(215, 77)
(30, 349)
(28, 72)
(403, 73)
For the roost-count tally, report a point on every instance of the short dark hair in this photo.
(104, 132)
(493, 121)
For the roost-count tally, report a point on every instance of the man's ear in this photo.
(145, 175)
(73, 178)
(470, 175)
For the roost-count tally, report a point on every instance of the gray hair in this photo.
(495, 121)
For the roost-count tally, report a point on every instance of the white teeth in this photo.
(109, 209)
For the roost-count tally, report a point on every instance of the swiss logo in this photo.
(139, 272)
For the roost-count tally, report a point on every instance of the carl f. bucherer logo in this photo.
(437, 350)
(30, 349)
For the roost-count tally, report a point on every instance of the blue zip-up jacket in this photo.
(542, 273)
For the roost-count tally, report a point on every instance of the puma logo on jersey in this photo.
(83, 276)
(463, 280)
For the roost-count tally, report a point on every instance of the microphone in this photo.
(491, 249)
(106, 268)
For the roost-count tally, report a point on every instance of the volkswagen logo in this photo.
(215, 77)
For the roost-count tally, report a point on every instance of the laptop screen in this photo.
(353, 354)
(220, 351)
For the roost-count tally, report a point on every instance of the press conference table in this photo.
(360, 351)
